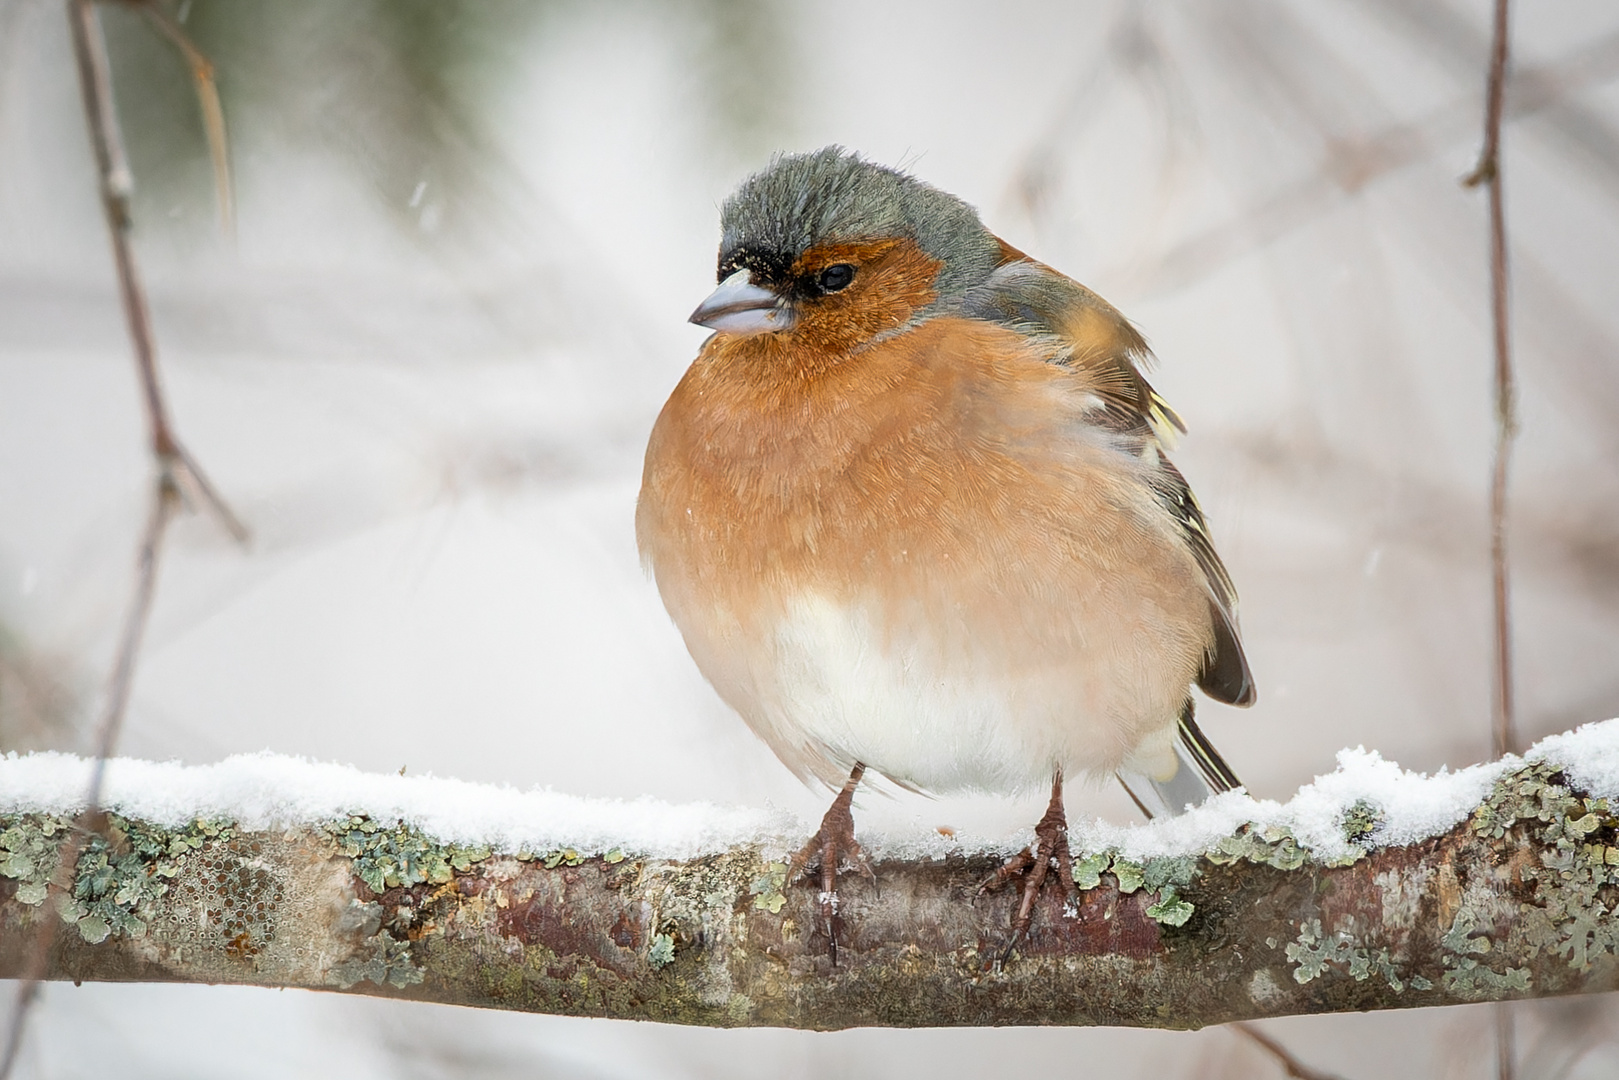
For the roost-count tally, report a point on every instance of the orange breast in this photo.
(944, 486)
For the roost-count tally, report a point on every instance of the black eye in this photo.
(836, 278)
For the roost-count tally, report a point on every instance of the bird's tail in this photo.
(1200, 772)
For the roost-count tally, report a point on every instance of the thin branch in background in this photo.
(1506, 1040)
(1291, 1065)
(1035, 181)
(213, 113)
(95, 80)
(1488, 173)
(1353, 165)
(1575, 1028)
(178, 475)
(1135, 54)
(1579, 131)
(165, 500)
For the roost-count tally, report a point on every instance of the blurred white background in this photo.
(423, 372)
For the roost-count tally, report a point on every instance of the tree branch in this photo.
(1504, 731)
(1511, 902)
(177, 472)
(1488, 174)
(117, 184)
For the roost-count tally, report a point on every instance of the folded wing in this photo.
(1081, 330)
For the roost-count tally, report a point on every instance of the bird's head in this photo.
(832, 251)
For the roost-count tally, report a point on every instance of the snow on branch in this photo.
(1372, 888)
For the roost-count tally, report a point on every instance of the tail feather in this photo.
(1200, 772)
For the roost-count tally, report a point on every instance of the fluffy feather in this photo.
(932, 527)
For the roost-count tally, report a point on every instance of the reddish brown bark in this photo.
(1464, 917)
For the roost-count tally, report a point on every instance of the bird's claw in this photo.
(1049, 851)
(832, 845)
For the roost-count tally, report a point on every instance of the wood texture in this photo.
(1514, 902)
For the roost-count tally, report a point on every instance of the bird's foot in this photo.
(1035, 863)
(832, 844)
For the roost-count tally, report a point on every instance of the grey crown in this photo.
(833, 196)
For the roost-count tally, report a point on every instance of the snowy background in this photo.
(469, 236)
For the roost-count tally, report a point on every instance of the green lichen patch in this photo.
(1312, 951)
(1577, 877)
(1264, 845)
(121, 874)
(662, 952)
(1163, 877)
(124, 872)
(1315, 952)
(1467, 976)
(394, 856)
(766, 889)
(1167, 877)
(1170, 908)
(30, 847)
(1566, 909)
(382, 960)
(390, 856)
(1362, 822)
(1088, 870)
(562, 857)
(1533, 794)
(1128, 874)
(1157, 874)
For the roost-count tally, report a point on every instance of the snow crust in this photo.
(269, 791)
(1588, 755)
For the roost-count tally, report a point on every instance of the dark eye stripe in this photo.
(769, 269)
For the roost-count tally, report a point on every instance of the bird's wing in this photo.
(1085, 332)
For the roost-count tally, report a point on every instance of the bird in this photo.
(911, 511)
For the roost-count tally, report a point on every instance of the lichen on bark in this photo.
(1515, 901)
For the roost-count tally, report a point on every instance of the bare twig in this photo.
(1506, 1054)
(1581, 131)
(165, 499)
(95, 80)
(213, 113)
(1291, 1065)
(1351, 166)
(178, 475)
(1488, 173)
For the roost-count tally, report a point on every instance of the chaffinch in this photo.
(911, 511)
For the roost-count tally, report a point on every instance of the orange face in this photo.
(892, 280)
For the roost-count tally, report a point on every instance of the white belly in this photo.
(831, 688)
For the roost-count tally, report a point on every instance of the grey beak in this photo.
(740, 307)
